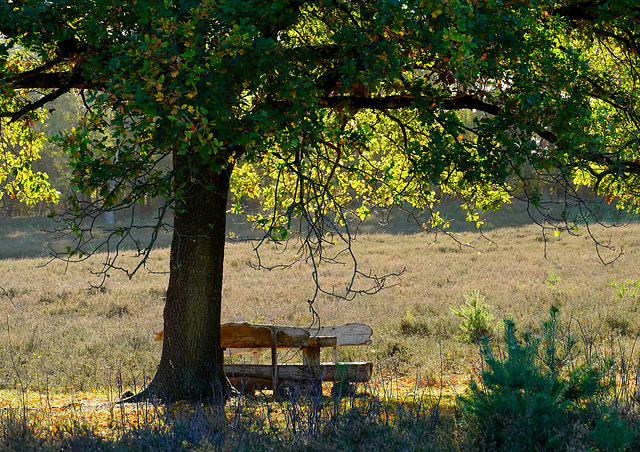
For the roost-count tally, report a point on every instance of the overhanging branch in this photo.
(60, 82)
(50, 80)
(33, 72)
(395, 102)
(31, 106)
(590, 11)
(400, 101)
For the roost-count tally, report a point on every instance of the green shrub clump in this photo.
(476, 319)
(536, 394)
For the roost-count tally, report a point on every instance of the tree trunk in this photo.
(191, 364)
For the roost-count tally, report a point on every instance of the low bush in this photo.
(544, 393)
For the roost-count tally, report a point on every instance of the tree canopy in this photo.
(320, 110)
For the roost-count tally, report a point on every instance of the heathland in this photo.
(67, 333)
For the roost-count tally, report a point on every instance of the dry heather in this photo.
(58, 333)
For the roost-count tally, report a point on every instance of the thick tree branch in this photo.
(374, 103)
(578, 11)
(33, 72)
(50, 80)
(549, 136)
(396, 102)
(470, 102)
(31, 106)
(401, 101)
(588, 11)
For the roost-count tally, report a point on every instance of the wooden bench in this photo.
(242, 338)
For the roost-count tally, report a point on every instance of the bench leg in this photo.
(311, 356)
(274, 358)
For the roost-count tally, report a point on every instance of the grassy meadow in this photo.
(67, 351)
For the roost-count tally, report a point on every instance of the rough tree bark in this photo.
(191, 363)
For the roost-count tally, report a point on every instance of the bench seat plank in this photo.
(261, 373)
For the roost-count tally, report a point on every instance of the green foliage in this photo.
(552, 280)
(323, 109)
(626, 289)
(476, 319)
(20, 147)
(535, 393)
(553, 286)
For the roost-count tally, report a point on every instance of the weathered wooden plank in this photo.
(292, 336)
(252, 335)
(245, 335)
(321, 341)
(348, 372)
(347, 334)
(257, 337)
(159, 332)
(318, 341)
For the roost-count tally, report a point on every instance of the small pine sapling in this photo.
(476, 319)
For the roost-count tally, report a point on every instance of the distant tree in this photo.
(321, 110)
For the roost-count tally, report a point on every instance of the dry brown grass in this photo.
(59, 334)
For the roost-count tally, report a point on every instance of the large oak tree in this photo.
(321, 110)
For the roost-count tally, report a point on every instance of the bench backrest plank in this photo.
(252, 335)
(347, 334)
(245, 336)
(290, 335)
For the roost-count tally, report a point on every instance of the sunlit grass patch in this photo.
(382, 406)
(59, 414)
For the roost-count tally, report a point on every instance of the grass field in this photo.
(64, 342)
